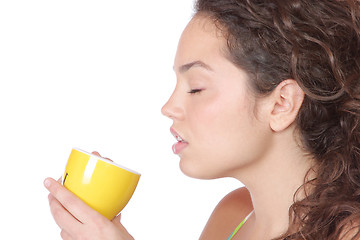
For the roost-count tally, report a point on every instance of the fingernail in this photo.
(47, 183)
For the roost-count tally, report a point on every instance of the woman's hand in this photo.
(77, 220)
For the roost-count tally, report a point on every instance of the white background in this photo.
(94, 75)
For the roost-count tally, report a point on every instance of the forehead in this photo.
(201, 40)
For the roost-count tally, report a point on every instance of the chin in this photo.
(195, 170)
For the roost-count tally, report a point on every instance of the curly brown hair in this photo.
(317, 43)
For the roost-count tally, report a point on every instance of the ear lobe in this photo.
(286, 99)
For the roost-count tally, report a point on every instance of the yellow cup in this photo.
(103, 185)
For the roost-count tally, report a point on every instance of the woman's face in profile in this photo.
(212, 107)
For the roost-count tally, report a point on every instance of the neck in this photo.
(272, 183)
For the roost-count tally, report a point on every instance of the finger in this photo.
(61, 216)
(98, 154)
(70, 202)
(117, 221)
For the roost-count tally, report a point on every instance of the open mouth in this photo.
(181, 143)
(176, 135)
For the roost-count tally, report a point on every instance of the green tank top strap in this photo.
(239, 226)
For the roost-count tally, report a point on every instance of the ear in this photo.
(286, 100)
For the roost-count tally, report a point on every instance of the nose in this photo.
(172, 108)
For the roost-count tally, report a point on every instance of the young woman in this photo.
(268, 92)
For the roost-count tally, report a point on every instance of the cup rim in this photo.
(107, 161)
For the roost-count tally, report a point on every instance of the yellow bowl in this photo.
(103, 185)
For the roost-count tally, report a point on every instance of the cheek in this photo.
(219, 136)
(225, 136)
(207, 121)
(220, 120)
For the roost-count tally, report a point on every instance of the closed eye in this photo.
(193, 91)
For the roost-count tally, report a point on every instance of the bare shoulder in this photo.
(229, 212)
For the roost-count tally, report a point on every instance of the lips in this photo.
(181, 143)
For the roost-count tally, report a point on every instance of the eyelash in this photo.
(194, 91)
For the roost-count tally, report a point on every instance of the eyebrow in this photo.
(188, 66)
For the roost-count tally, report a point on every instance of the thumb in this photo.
(117, 221)
(125, 234)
